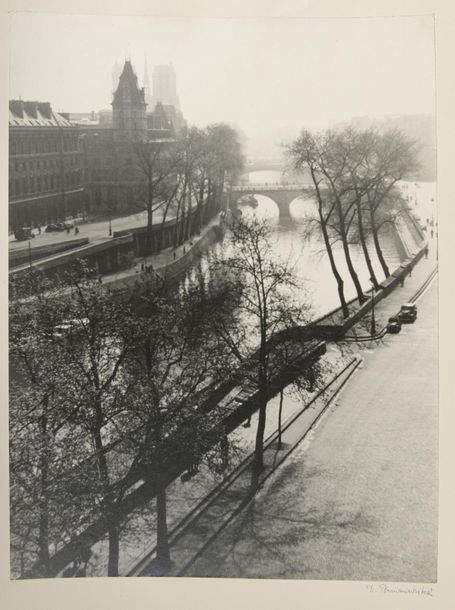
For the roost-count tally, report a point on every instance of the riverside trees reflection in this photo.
(354, 177)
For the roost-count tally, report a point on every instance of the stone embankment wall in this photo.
(333, 325)
(22, 256)
(173, 270)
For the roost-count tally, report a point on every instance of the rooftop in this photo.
(34, 114)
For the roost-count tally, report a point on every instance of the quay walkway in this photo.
(357, 500)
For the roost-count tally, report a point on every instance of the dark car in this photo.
(59, 226)
(394, 325)
(51, 228)
(23, 233)
(408, 313)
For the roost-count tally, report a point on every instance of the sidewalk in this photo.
(359, 500)
(159, 262)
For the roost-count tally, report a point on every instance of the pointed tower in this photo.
(128, 107)
(148, 95)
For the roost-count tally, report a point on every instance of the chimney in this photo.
(45, 109)
(17, 107)
(30, 109)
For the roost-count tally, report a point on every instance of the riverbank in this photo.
(169, 264)
(358, 499)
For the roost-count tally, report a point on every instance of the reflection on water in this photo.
(309, 258)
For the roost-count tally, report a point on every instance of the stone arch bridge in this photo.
(281, 194)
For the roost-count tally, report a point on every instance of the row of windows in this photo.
(38, 184)
(44, 164)
(30, 144)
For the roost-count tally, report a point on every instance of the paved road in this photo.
(359, 500)
(96, 231)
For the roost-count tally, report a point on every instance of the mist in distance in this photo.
(267, 77)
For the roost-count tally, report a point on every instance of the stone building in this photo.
(110, 150)
(62, 165)
(45, 177)
(129, 108)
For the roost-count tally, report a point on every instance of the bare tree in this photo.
(266, 309)
(156, 170)
(306, 151)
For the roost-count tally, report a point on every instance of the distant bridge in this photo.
(281, 194)
(262, 165)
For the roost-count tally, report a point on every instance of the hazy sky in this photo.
(262, 74)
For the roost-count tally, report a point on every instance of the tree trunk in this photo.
(258, 459)
(361, 297)
(338, 278)
(163, 556)
(114, 550)
(107, 501)
(43, 530)
(377, 245)
(163, 222)
(366, 254)
(280, 410)
(148, 245)
(177, 225)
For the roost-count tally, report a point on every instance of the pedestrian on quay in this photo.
(431, 233)
(39, 229)
(426, 252)
(174, 254)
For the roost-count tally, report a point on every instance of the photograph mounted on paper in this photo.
(223, 259)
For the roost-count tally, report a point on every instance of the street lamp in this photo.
(373, 321)
(110, 223)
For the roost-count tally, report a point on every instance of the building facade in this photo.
(45, 165)
(111, 165)
(62, 165)
(129, 108)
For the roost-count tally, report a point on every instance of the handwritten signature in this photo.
(399, 589)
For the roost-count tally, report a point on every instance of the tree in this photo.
(176, 362)
(155, 168)
(392, 159)
(266, 309)
(354, 175)
(224, 160)
(45, 506)
(307, 151)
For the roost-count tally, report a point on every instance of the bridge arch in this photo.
(282, 195)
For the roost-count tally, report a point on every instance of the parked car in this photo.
(408, 313)
(51, 228)
(23, 233)
(59, 226)
(394, 325)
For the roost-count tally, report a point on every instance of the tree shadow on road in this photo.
(269, 537)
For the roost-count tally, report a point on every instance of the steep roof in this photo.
(128, 80)
(35, 114)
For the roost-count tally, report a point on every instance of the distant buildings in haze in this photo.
(64, 164)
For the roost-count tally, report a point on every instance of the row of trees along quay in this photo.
(355, 176)
(183, 175)
(109, 395)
